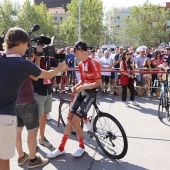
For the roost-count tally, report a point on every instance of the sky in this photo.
(128, 3)
(118, 3)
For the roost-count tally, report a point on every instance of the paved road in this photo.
(148, 139)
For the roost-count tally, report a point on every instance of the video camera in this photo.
(48, 48)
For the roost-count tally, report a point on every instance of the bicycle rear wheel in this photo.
(167, 113)
(167, 109)
(163, 108)
(110, 135)
(160, 108)
(63, 113)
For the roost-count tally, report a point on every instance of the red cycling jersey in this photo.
(90, 71)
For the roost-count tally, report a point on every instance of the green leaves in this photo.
(147, 24)
(92, 29)
(25, 16)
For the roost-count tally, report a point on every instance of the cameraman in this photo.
(43, 94)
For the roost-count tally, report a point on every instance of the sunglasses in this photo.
(128, 53)
(168, 48)
(75, 49)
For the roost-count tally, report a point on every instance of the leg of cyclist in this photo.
(79, 131)
(67, 131)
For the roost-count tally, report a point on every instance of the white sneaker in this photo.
(149, 95)
(79, 152)
(125, 104)
(135, 103)
(55, 153)
(48, 117)
(154, 94)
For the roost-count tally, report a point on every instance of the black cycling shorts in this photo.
(82, 103)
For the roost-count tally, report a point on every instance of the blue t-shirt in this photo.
(70, 60)
(13, 72)
(115, 59)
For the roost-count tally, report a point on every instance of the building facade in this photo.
(53, 3)
(59, 14)
(59, 11)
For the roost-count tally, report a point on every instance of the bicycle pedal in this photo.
(91, 134)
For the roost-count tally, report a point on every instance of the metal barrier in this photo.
(72, 76)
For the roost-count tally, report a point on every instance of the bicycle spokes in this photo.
(110, 135)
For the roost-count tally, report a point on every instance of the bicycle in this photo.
(105, 128)
(163, 107)
(65, 105)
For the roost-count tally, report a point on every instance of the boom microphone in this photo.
(42, 40)
(35, 27)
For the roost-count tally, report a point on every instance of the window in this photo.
(167, 27)
(55, 18)
(61, 18)
(118, 26)
(118, 17)
(61, 41)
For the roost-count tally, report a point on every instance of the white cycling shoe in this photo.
(79, 152)
(55, 153)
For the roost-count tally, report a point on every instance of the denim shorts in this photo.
(27, 115)
(71, 74)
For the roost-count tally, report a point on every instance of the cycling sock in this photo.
(81, 142)
(63, 142)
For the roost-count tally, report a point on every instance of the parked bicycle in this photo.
(104, 127)
(163, 108)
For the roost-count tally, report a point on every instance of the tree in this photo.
(8, 15)
(92, 28)
(146, 24)
(36, 14)
(113, 32)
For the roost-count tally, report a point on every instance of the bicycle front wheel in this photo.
(161, 108)
(110, 135)
(64, 110)
(63, 113)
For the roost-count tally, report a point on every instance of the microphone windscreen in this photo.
(35, 27)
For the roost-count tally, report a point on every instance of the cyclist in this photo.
(90, 79)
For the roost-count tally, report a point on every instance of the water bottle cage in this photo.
(89, 119)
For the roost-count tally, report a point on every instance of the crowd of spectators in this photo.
(144, 59)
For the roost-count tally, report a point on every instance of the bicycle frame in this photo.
(96, 112)
(164, 91)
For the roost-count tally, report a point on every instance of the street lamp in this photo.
(79, 36)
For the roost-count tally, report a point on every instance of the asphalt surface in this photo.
(148, 140)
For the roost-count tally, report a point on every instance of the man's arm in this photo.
(62, 67)
(116, 60)
(94, 85)
(50, 73)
